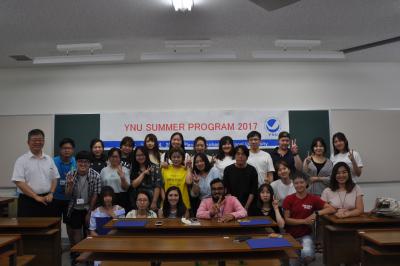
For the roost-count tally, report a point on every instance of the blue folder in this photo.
(128, 223)
(272, 242)
(255, 222)
(100, 222)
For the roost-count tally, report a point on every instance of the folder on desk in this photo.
(272, 242)
(255, 222)
(128, 223)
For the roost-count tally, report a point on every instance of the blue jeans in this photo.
(307, 253)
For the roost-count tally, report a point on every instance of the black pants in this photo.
(28, 207)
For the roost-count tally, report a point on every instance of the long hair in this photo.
(259, 202)
(342, 137)
(223, 141)
(180, 207)
(207, 163)
(169, 152)
(156, 149)
(135, 166)
(106, 191)
(334, 185)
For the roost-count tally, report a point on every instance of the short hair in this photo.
(112, 150)
(284, 134)
(35, 132)
(200, 138)
(223, 141)
(216, 180)
(94, 141)
(342, 137)
(299, 175)
(284, 163)
(243, 148)
(315, 142)
(334, 185)
(178, 150)
(106, 191)
(67, 141)
(127, 141)
(253, 134)
(207, 163)
(83, 155)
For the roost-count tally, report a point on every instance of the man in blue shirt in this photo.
(65, 162)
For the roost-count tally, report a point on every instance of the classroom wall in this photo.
(204, 86)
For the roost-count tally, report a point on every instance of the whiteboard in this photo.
(13, 140)
(375, 135)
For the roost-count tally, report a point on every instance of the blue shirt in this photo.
(63, 169)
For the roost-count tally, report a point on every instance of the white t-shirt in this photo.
(281, 190)
(262, 161)
(110, 177)
(342, 199)
(344, 157)
(133, 214)
(220, 165)
(36, 172)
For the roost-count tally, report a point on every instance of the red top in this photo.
(301, 209)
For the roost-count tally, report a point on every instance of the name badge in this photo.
(62, 182)
(80, 201)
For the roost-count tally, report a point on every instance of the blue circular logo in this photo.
(272, 125)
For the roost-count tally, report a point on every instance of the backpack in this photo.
(387, 207)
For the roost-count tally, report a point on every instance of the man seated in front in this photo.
(225, 208)
(301, 211)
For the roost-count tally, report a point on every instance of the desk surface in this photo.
(6, 200)
(171, 245)
(362, 219)
(176, 224)
(382, 237)
(6, 240)
(28, 222)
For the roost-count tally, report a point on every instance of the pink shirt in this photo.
(231, 205)
(342, 199)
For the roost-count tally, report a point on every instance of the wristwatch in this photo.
(316, 213)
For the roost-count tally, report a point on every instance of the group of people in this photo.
(142, 182)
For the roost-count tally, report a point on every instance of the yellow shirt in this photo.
(176, 177)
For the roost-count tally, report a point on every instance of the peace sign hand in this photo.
(351, 155)
(308, 158)
(120, 171)
(293, 147)
(196, 178)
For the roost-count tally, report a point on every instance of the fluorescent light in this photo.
(174, 44)
(79, 58)
(298, 55)
(297, 43)
(79, 47)
(182, 5)
(204, 56)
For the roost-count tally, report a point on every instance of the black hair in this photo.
(92, 143)
(243, 148)
(315, 142)
(223, 141)
(216, 180)
(83, 155)
(156, 149)
(284, 163)
(67, 141)
(106, 191)
(35, 132)
(169, 152)
(144, 192)
(134, 163)
(253, 134)
(300, 175)
(200, 138)
(259, 202)
(127, 141)
(178, 150)
(334, 185)
(207, 163)
(342, 137)
(112, 150)
(180, 207)
(284, 134)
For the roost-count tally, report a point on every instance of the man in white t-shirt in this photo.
(261, 160)
(35, 175)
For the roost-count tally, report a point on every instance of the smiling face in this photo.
(36, 143)
(227, 148)
(83, 166)
(126, 149)
(140, 157)
(300, 185)
(217, 191)
(319, 149)
(200, 164)
(283, 171)
(176, 159)
(340, 145)
(114, 159)
(342, 175)
(97, 149)
(254, 142)
(173, 198)
(150, 144)
(284, 143)
(176, 141)
(200, 146)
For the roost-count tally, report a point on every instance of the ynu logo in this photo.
(272, 124)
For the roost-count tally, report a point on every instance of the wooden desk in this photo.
(340, 236)
(4, 202)
(40, 237)
(8, 249)
(380, 246)
(176, 227)
(179, 248)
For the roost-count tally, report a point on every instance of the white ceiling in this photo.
(132, 27)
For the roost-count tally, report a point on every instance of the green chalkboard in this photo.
(306, 125)
(81, 128)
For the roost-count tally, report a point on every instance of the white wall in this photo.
(245, 85)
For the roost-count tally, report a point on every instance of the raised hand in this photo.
(120, 171)
(351, 155)
(308, 159)
(293, 147)
(275, 203)
(196, 178)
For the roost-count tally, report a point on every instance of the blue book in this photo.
(129, 223)
(255, 222)
(272, 242)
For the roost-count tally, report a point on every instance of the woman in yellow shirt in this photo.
(176, 174)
